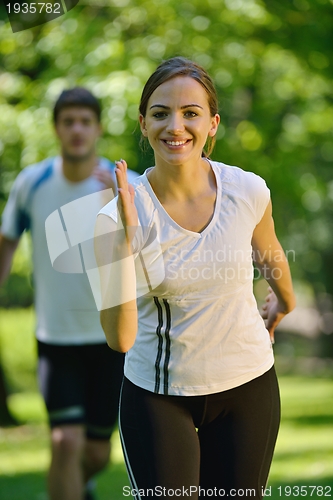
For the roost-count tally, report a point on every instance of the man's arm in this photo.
(7, 250)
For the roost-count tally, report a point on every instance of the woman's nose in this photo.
(175, 124)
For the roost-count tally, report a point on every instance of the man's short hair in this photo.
(79, 97)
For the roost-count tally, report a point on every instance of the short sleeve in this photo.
(259, 195)
(254, 191)
(246, 188)
(15, 218)
(110, 209)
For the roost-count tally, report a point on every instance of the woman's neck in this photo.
(182, 182)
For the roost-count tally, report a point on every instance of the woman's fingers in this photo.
(126, 206)
(121, 174)
(126, 192)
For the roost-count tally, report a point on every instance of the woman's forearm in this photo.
(119, 309)
(117, 284)
(120, 325)
(270, 259)
(276, 271)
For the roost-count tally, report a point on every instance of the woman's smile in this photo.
(176, 143)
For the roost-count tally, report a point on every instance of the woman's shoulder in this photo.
(234, 177)
(244, 186)
(232, 172)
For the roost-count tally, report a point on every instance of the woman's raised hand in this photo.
(126, 206)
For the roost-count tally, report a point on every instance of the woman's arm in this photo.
(273, 265)
(116, 268)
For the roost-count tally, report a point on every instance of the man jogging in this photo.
(79, 375)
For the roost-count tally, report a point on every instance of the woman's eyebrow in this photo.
(182, 107)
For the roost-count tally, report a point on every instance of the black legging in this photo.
(221, 443)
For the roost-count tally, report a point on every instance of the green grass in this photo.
(303, 457)
(24, 459)
(18, 348)
(24, 450)
(304, 451)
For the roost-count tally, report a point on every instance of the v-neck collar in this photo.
(171, 221)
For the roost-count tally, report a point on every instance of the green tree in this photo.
(272, 64)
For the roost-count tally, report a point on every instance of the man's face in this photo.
(77, 129)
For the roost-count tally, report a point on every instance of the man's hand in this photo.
(106, 178)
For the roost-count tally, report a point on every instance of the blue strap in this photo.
(111, 166)
(24, 219)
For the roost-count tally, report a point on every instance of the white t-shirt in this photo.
(199, 330)
(65, 307)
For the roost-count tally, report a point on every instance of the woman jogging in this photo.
(199, 411)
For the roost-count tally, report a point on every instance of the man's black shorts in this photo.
(81, 385)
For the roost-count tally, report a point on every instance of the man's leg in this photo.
(61, 379)
(103, 378)
(66, 477)
(81, 386)
(75, 459)
(95, 457)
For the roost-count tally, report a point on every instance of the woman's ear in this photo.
(143, 125)
(215, 123)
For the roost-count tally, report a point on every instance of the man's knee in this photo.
(97, 454)
(67, 441)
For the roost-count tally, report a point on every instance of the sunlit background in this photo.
(272, 62)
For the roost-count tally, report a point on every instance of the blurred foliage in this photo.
(272, 64)
(18, 348)
(17, 290)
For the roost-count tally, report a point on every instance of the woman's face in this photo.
(178, 121)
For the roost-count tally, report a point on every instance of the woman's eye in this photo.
(191, 114)
(160, 114)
